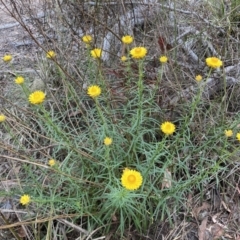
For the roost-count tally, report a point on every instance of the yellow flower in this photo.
(107, 141)
(123, 58)
(163, 59)
(19, 80)
(198, 78)
(131, 179)
(2, 117)
(7, 58)
(96, 53)
(87, 39)
(228, 133)
(127, 39)
(25, 199)
(168, 128)
(94, 91)
(238, 136)
(51, 162)
(51, 54)
(138, 52)
(36, 97)
(214, 62)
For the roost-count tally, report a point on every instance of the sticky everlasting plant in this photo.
(214, 62)
(51, 162)
(198, 78)
(138, 52)
(96, 53)
(131, 179)
(108, 141)
(2, 118)
(94, 91)
(111, 147)
(51, 54)
(37, 97)
(25, 199)
(238, 136)
(127, 39)
(168, 128)
(19, 80)
(163, 59)
(123, 58)
(228, 133)
(7, 58)
(87, 39)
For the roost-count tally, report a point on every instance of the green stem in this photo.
(198, 97)
(140, 94)
(100, 113)
(107, 162)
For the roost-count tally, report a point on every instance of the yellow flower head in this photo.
(198, 78)
(94, 91)
(131, 179)
(25, 199)
(238, 136)
(228, 133)
(36, 97)
(2, 117)
(138, 52)
(163, 59)
(19, 80)
(51, 162)
(7, 58)
(168, 128)
(127, 39)
(96, 53)
(51, 54)
(87, 39)
(107, 141)
(214, 62)
(123, 58)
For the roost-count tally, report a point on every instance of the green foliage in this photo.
(70, 127)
